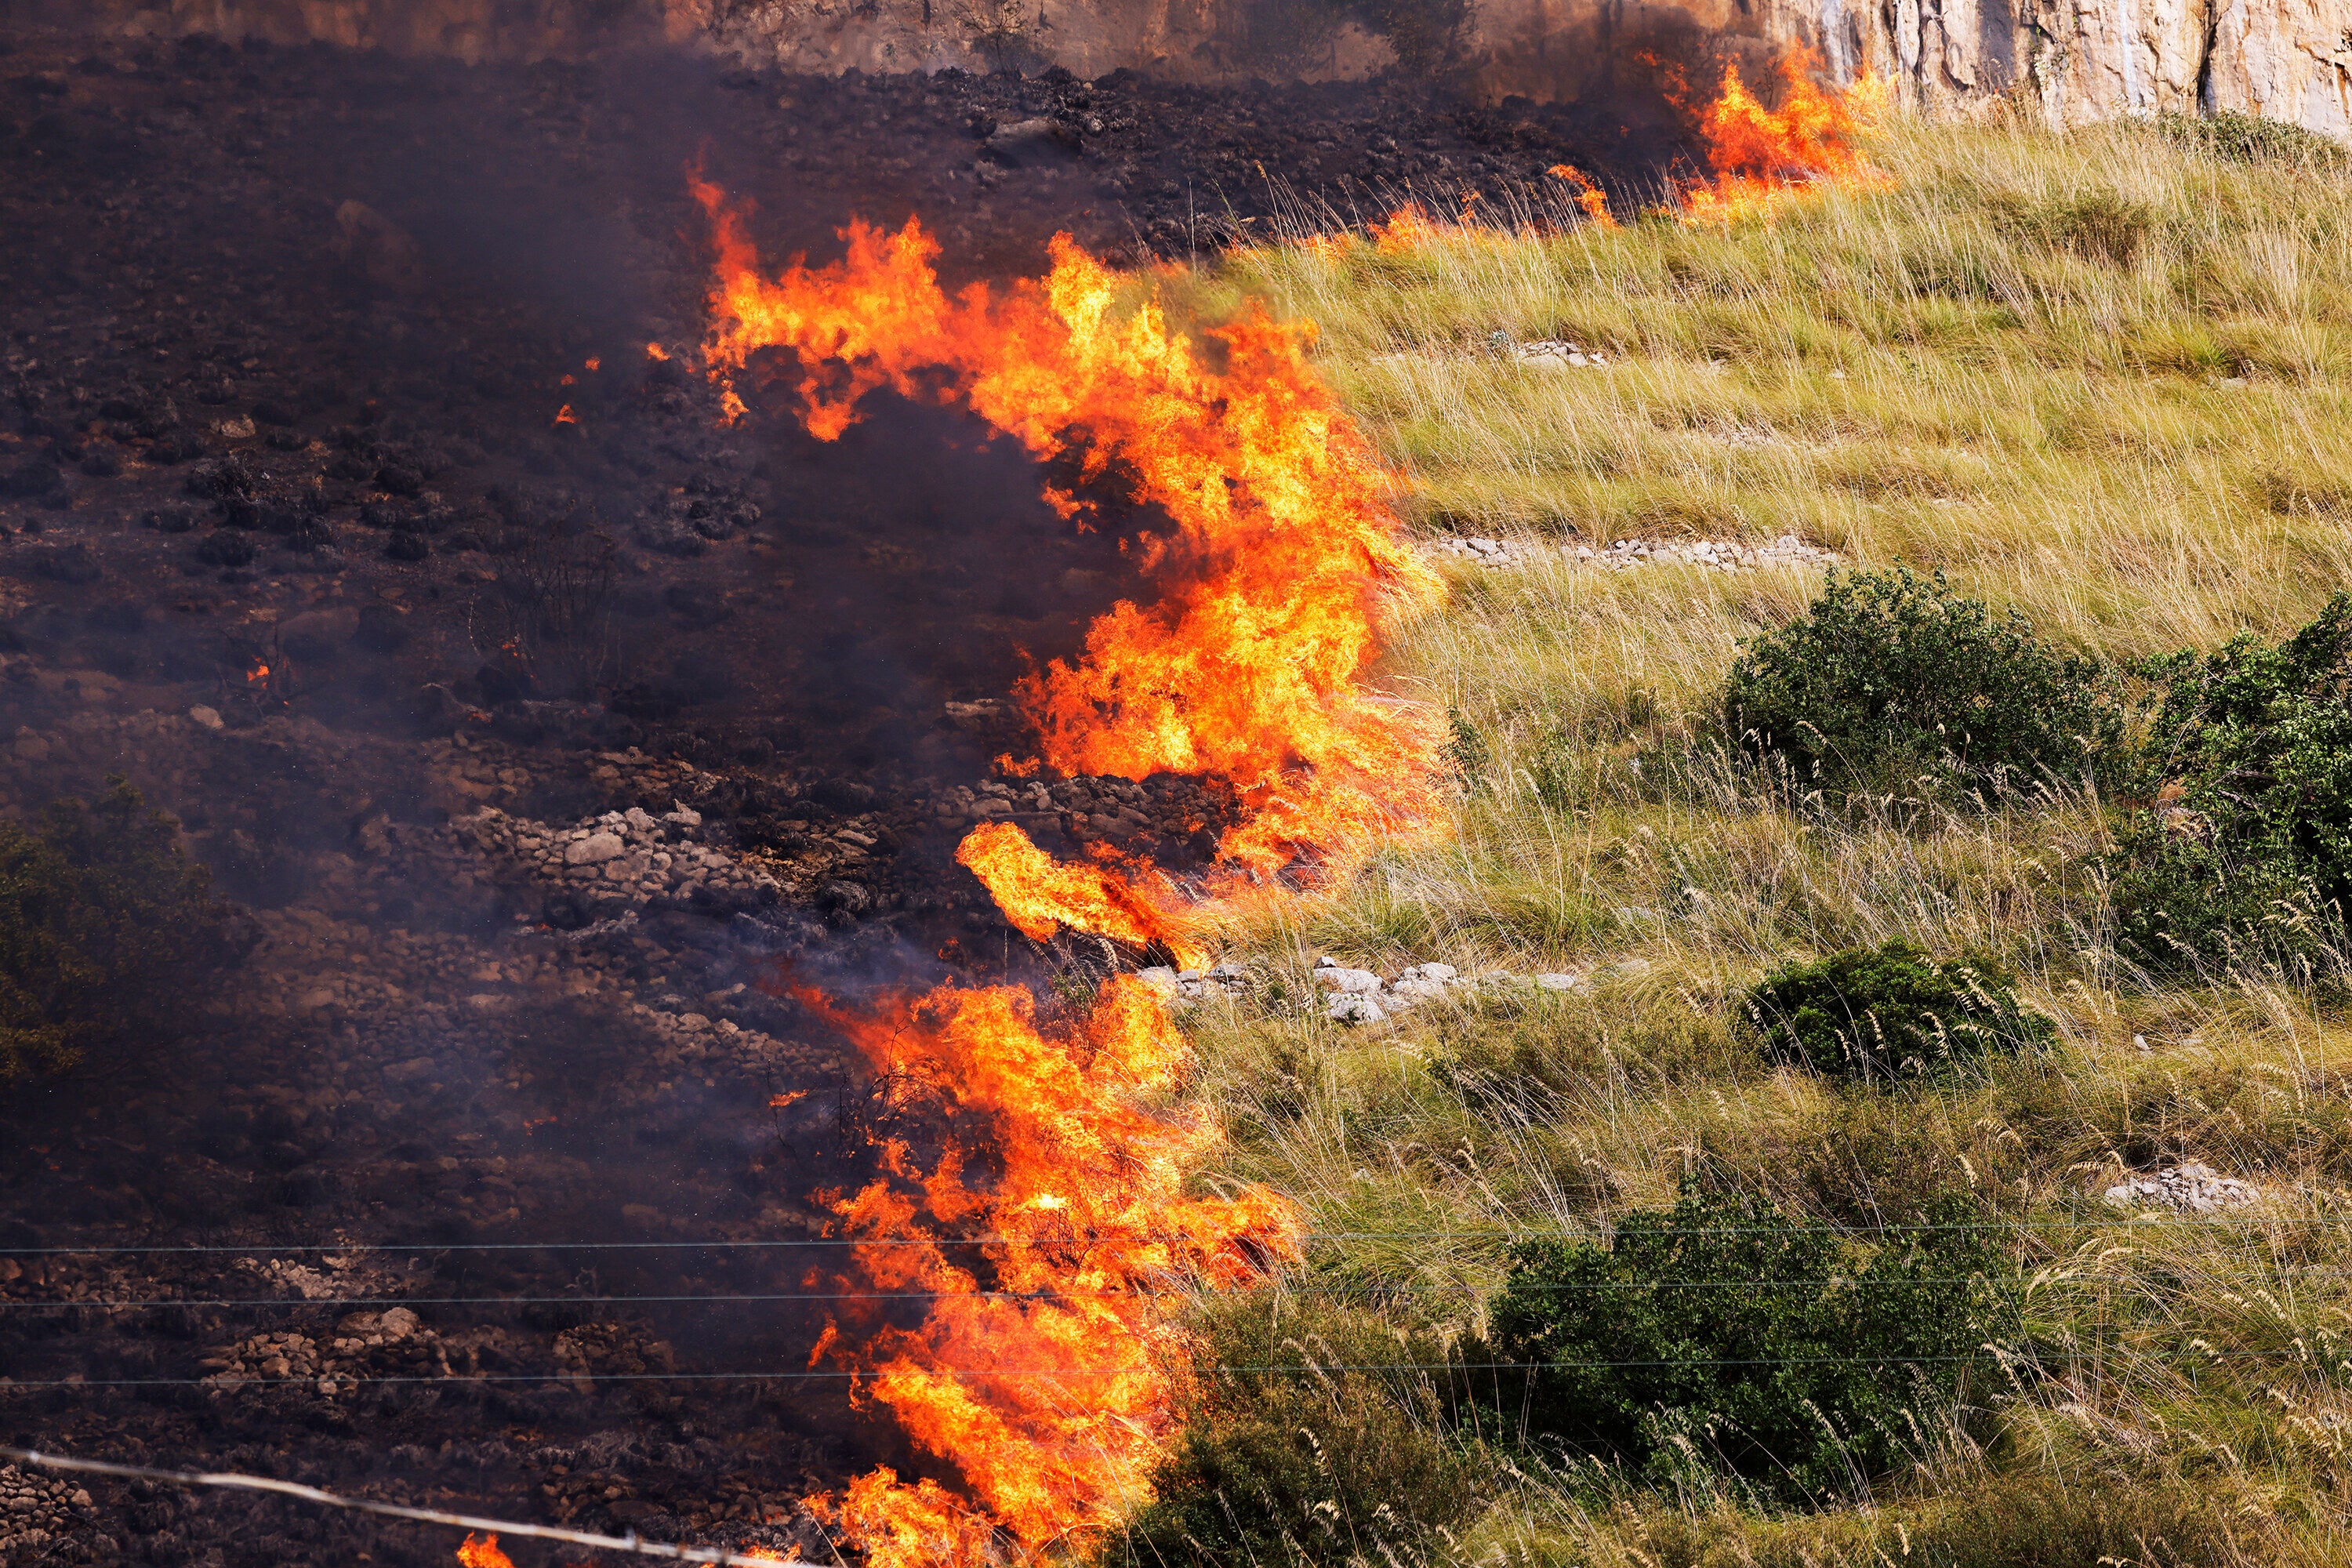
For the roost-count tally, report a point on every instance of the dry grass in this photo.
(2100, 376)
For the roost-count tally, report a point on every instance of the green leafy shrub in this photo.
(1890, 1012)
(1302, 1456)
(1723, 1337)
(2246, 767)
(1891, 676)
(102, 923)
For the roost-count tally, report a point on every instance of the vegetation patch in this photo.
(1891, 1012)
(104, 924)
(1890, 678)
(1726, 1337)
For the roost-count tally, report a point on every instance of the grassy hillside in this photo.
(2105, 378)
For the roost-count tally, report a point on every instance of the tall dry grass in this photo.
(2102, 376)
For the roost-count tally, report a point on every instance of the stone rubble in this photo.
(2186, 1189)
(46, 1519)
(1557, 353)
(1354, 996)
(390, 1343)
(621, 859)
(1723, 555)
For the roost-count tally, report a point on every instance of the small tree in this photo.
(103, 922)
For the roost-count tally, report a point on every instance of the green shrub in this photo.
(2236, 138)
(1311, 1461)
(102, 922)
(1723, 1337)
(2246, 767)
(1891, 676)
(1890, 1012)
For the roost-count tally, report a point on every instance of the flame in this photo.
(595, 364)
(258, 675)
(1407, 228)
(1038, 893)
(482, 1552)
(564, 415)
(654, 351)
(1590, 196)
(1049, 1366)
(1286, 566)
(1758, 158)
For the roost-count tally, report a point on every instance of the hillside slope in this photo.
(2103, 378)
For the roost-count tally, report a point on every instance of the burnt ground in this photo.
(530, 755)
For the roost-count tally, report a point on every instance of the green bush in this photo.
(2245, 837)
(1890, 1012)
(102, 923)
(1312, 1461)
(1724, 1338)
(2236, 138)
(1891, 676)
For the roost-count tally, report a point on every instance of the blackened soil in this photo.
(345, 493)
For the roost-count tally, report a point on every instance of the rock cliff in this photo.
(2079, 59)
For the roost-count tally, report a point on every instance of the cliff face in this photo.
(2081, 59)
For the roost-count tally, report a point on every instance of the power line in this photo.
(234, 1481)
(226, 1380)
(1597, 1233)
(1049, 1294)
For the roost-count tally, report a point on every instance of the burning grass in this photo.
(2064, 369)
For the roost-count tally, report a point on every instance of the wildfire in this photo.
(1287, 565)
(1049, 1366)
(1757, 157)
(564, 415)
(1590, 196)
(1038, 893)
(482, 1552)
(258, 675)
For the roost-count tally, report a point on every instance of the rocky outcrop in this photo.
(2080, 59)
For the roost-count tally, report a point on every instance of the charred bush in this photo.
(105, 929)
(224, 547)
(550, 616)
(405, 544)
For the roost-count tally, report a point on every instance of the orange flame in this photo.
(564, 415)
(1758, 157)
(1271, 599)
(654, 351)
(1407, 228)
(1590, 196)
(1039, 894)
(482, 1552)
(258, 676)
(595, 364)
(1049, 1366)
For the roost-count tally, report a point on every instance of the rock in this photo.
(1160, 978)
(1354, 1007)
(1027, 143)
(2186, 1189)
(1557, 981)
(594, 849)
(376, 248)
(682, 817)
(208, 717)
(1358, 981)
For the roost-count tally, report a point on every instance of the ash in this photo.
(360, 506)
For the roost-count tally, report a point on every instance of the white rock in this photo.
(1160, 978)
(1557, 981)
(208, 717)
(1354, 1007)
(1358, 981)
